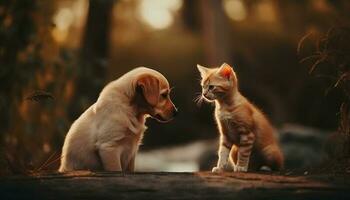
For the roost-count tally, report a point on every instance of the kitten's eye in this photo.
(164, 95)
(210, 87)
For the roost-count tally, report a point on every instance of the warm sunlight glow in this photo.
(63, 20)
(68, 16)
(235, 9)
(158, 14)
(321, 5)
(266, 11)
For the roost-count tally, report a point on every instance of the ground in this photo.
(163, 185)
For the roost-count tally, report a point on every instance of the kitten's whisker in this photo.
(195, 99)
(198, 100)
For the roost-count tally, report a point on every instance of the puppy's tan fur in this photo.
(107, 135)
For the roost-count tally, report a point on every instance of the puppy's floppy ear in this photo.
(150, 88)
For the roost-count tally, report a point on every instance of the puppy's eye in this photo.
(210, 87)
(164, 95)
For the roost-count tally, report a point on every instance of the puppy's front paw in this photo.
(217, 170)
(240, 169)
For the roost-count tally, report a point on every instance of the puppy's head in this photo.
(154, 99)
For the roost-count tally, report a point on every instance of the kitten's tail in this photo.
(274, 157)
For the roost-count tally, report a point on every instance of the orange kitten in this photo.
(246, 136)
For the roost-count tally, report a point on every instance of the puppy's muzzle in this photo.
(167, 117)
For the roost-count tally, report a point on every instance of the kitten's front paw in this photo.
(217, 170)
(240, 169)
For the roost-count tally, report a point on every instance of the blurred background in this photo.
(56, 56)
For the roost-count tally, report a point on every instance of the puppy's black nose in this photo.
(176, 111)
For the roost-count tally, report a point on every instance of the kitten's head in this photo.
(217, 83)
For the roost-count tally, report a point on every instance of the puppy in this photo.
(107, 135)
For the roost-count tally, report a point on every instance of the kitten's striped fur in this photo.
(247, 138)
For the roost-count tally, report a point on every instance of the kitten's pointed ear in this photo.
(226, 71)
(202, 70)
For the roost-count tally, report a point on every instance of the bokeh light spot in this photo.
(63, 20)
(235, 9)
(158, 14)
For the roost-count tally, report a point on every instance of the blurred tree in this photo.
(31, 60)
(94, 54)
(191, 15)
(19, 60)
(216, 34)
(16, 30)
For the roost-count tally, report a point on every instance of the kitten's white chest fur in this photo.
(224, 119)
(224, 115)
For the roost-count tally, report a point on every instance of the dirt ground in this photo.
(163, 185)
